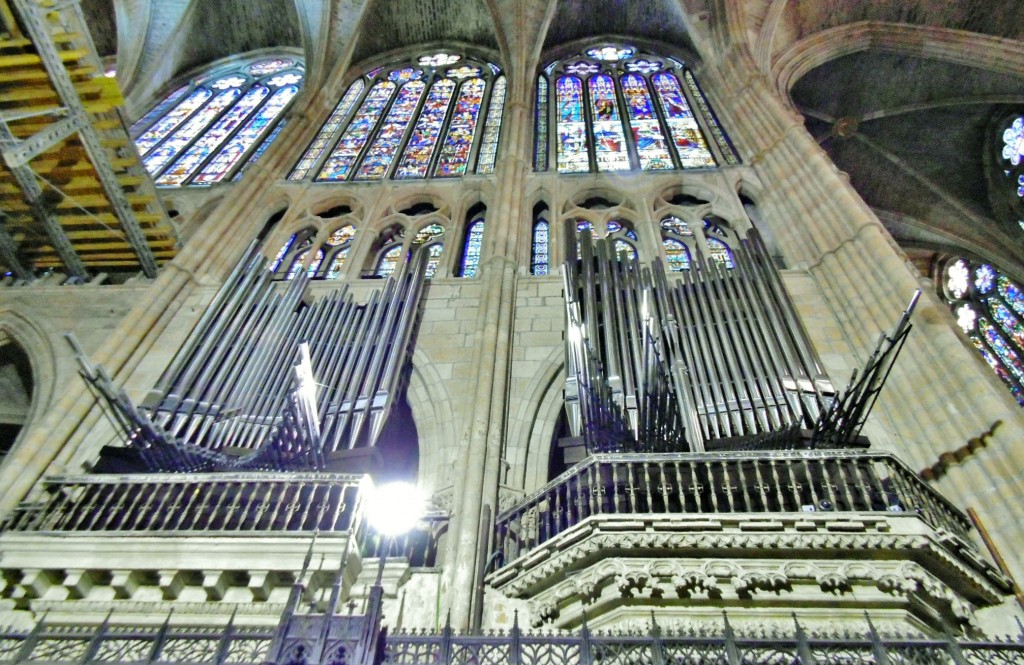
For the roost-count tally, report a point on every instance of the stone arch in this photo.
(434, 417)
(953, 46)
(534, 422)
(35, 344)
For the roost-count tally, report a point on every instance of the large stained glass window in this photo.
(614, 108)
(681, 243)
(989, 307)
(539, 248)
(437, 115)
(207, 131)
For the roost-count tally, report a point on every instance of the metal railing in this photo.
(137, 644)
(722, 483)
(666, 647)
(236, 502)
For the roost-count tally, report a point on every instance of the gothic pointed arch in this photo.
(614, 107)
(434, 114)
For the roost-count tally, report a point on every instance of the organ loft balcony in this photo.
(765, 536)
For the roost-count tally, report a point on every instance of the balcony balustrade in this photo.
(722, 483)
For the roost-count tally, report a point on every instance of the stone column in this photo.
(939, 396)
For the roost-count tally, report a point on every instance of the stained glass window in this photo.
(617, 109)
(677, 255)
(207, 131)
(720, 253)
(388, 261)
(434, 251)
(989, 308)
(471, 249)
(539, 249)
(417, 119)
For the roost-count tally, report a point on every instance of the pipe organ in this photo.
(270, 379)
(711, 358)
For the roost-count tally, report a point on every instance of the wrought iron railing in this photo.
(721, 483)
(137, 644)
(179, 645)
(237, 502)
(656, 646)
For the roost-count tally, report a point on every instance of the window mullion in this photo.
(226, 141)
(181, 125)
(411, 124)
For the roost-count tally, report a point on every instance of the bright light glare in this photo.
(394, 508)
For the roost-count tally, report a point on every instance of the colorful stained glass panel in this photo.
(1010, 324)
(246, 137)
(998, 368)
(1011, 361)
(454, 157)
(166, 124)
(677, 254)
(270, 66)
(213, 137)
(716, 130)
(958, 276)
(341, 235)
(610, 150)
(651, 146)
(434, 260)
(159, 109)
(720, 253)
(675, 225)
(1013, 142)
(389, 137)
(323, 137)
(388, 261)
(168, 150)
(281, 252)
(984, 278)
(337, 263)
(573, 143)
(428, 233)
(611, 53)
(492, 128)
(354, 138)
(623, 250)
(420, 148)
(260, 150)
(686, 135)
(1012, 294)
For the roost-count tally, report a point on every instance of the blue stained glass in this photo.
(540, 147)
(643, 66)
(388, 261)
(183, 168)
(1010, 324)
(610, 149)
(1011, 361)
(389, 137)
(650, 141)
(582, 68)
(280, 254)
(984, 278)
(454, 156)
(260, 150)
(539, 255)
(337, 263)
(405, 74)
(434, 260)
(314, 264)
(1013, 141)
(323, 137)
(492, 128)
(677, 254)
(612, 226)
(270, 66)
(159, 109)
(166, 124)
(686, 135)
(420, 148)
(720, 253)
(471, 252)
(623, 250)
(246, 137)
(354, 138)
(583, 225)
(1012, 294)
(428, 233)
(573, 144)
(159, 157)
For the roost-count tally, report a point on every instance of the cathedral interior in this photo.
(674, 312)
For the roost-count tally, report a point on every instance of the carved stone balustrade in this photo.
(769, 533)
